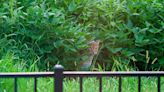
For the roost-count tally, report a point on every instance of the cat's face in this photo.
(94, 47)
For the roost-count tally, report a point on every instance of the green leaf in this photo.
(114, 50)
(72, 6)
(58, 43)
(161, 61)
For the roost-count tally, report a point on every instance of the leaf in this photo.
(161, 61)
(129, 24)
(128, 53)
(154, 31)
(73, 50)
(135, 14)
(114, 50)
(72, 6)
(58, 43)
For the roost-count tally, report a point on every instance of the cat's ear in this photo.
(98, 42)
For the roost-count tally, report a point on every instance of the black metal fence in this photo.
(59, 74)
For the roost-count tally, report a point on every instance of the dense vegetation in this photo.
(42, 33)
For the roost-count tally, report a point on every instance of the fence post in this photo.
(58, 78)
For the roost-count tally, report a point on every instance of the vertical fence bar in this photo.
(35, 84)
(100, 85)
(120, 84)
(15, 85)
(58, 77)
(139, 83)
(159, 84)
(81, 84)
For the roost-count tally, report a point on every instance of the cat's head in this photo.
(94, 46)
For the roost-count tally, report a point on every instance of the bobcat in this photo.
(92, 51)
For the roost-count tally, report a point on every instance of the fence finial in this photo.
(58, 67)
(58, 75)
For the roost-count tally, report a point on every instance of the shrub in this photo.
(56, 31)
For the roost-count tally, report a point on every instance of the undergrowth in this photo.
(47, 32)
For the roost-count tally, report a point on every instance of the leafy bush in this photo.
(129, 29)
(41, 32)
(46, 32)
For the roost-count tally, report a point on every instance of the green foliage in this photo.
(40, 31)
(130, 28)
(8, 64)
(46, 32)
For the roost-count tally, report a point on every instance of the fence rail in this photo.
(59, 74)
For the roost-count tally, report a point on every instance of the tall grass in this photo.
(109, 84)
